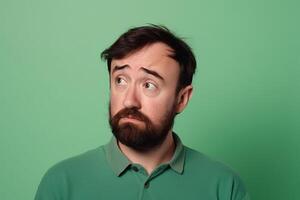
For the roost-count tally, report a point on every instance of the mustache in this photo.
(131, 113)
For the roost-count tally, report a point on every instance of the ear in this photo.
(183, 98)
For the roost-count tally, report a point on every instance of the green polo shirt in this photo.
(106, 173)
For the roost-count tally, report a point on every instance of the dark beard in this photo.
(141, 139)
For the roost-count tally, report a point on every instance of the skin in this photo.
(133, 85)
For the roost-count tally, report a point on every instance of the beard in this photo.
(141, 138)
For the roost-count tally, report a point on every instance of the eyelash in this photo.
(117, 79)
(149, 84)
(154, 86)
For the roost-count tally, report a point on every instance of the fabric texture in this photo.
(106, 173)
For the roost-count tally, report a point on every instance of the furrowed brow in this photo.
(153, 73)
(117, 68)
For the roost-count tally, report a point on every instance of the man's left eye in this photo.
(149, 86)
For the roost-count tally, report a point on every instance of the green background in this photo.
(245, 108)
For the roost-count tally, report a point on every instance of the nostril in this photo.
(132, 102)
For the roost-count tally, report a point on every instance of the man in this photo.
(150, 71)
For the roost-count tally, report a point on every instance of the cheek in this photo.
(157, 109)
(115, 104)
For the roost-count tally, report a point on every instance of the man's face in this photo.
(143, 96)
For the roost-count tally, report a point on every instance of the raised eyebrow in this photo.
(117, 68)
(153, 73)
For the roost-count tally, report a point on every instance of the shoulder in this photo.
(56, 181)
(215, 173)
(198, 160)
(79, 162)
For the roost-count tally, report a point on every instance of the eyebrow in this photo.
(116, 68)
(148, 71)
(153, 73)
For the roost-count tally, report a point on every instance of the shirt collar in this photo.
(116, 159)
(119, 162)
(177, 161)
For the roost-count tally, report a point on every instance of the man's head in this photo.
(151, 72)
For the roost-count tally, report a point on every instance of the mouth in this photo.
(131, 118)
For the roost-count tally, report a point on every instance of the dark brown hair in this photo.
(137, 38)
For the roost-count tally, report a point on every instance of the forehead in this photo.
(155, 57)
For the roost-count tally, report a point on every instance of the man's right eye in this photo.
(120, 81)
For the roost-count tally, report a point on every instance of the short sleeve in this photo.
(52, 186)
(247, 197)
(231, 187)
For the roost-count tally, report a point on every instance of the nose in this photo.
(132, 98)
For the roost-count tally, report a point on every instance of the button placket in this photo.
(147, 184)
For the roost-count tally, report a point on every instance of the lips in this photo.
(130, 115)
(131, 118)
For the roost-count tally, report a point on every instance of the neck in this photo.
(152, 158)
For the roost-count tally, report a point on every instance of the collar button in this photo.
(146, 184)
(134, 168)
